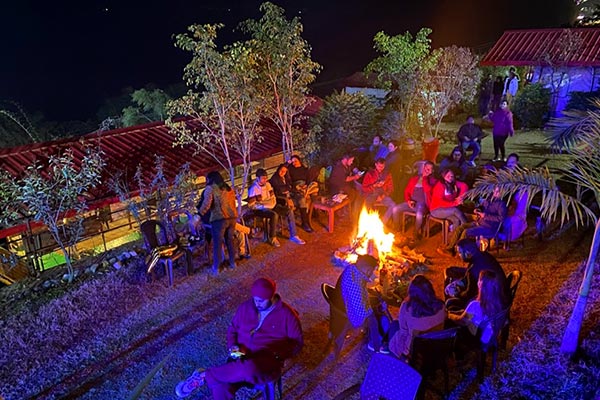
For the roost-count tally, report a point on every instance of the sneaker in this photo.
(370, 347)
(275, 242)
(188, 386)
(297, 239)
(471, 163)
(232, 266)
(384, 349)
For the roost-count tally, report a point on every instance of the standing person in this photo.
(422, 311)
(219, 199)
(351, 289)
(469, 136)
(417, 196)
(502, 119)
(489, 217)
(289, 197)
(262, 201)
(377, 187)
(264, 332)
(343, 180)
(447, 195)
(497, 89)
(511, 85)
(378, 149)
(393, 166)
(461, 283)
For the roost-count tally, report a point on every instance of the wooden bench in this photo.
(330, 208)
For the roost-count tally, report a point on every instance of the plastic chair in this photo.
(513, 278)
(338, 320)
(497, 323)
(431, 352)
(161, 251)
(390, 378)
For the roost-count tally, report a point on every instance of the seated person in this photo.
(393, 166)
(512, 162)
(343, 180)
(446, 196)
(287, 194)
(489, 217)
(422, 311)
(352, 292)
(461, 283)
(490, 300)
(377, 187)
(417, 196)
(261, 202)
(469, 136)
(457, 163)
(265, 331)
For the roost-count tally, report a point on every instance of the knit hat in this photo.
(263, 288)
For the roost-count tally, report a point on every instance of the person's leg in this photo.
(230, 242)
(291, 221)
(397, 212)
(501, 142)
(374, 334)
(389, 205)
(218, 231)
(459, 233)
(476, 147)
(496, 146)
(421, 211)
(446, 213)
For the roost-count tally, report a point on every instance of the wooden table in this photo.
(330, 208)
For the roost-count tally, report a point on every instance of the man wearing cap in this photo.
(263, 333)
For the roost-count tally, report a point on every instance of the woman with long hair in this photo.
(420, 312)
(490, 300)
(219, 200)
(456, 162)
(446, 197)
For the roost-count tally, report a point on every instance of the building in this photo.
(563, 60)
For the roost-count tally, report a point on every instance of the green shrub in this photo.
(582, 100)
(531, 106)
(344, 123)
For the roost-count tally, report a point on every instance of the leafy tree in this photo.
(343, 123)
(578, 136)
(532, 105)
(52, 194)
(228, 110)
(149, 105)
(401, 68)
(287, 70)
(452, 79)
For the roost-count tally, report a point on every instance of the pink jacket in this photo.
(280, 332)
(440, 199)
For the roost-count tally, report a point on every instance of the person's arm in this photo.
(369, 181)
(207, 202)
(294, 332)
(233, 329)
(511, 129)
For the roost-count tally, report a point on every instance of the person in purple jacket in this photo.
(264, 332)
(502, 119)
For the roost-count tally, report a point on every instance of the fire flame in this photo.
(370, 230)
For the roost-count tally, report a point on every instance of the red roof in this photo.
(125, 148)
(529, 46)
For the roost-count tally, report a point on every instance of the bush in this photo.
(532, 105)
(344, 123)
(582, 100)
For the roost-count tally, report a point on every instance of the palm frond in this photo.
(566, 132)
(555, 205)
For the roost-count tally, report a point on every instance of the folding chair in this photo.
(338, 320)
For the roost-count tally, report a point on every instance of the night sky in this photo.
(63, 58)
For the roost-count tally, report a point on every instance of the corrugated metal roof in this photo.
(532, 46)
(127, 148)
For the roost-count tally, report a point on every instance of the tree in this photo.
(452, 79)
(228, 109)
(401, 68)
(343, 123)
(149, 105)
(56, 195)
(287, 70)
(578, 135)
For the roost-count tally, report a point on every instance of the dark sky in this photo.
(64, 57)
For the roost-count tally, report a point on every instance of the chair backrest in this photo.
(495, 323)
(513, 279)
(154, 234)
(431, 350)
(390, 378)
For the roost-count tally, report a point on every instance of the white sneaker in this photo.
(275, 242)
(297, 239)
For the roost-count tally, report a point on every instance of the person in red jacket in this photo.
(446, 197)
(417, 196)
(263, 333)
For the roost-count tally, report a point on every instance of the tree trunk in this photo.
(571, 335)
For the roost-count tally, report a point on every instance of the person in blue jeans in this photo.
(469, 135)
